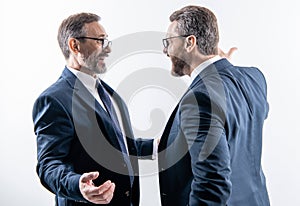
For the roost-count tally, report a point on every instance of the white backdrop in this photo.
(266, 33)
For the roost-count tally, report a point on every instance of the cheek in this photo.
(84, 52)
(92, 50)
(171, 50)
(97, 51)
(175, 50)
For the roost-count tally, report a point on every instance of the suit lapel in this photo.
(80, 93)
(122, 108)
(126, 123)
(165, 136)
(165, 141)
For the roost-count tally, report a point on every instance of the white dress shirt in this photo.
(89, 82)
(202, 66)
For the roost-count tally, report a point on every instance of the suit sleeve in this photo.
(54, 134)
(202, 123)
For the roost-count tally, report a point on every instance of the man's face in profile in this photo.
(176, 50)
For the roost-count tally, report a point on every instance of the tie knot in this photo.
(101, 91)
(98, 83)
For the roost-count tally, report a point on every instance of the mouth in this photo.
(101, 60)
(102, 57)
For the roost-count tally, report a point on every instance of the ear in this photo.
(191, 43)
(74, 45)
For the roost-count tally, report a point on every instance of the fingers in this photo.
(105, 194)
(102, 194)
(230, 52)
(105, 187)
(87, 177)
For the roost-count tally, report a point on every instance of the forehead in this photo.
(95, 29)
(172, 29)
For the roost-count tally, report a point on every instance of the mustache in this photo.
(103, 55)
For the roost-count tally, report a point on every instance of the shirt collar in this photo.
(202, 66)
(87, 80)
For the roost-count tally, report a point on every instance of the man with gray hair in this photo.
(86, 150)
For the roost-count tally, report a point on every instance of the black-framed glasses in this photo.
(104, 42)
(166, 43)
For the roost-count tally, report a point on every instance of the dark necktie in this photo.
(112, 113)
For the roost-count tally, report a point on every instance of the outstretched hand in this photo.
(97, 195)
(228, 54)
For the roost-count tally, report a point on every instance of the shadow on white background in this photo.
(266, 33)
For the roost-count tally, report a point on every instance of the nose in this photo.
(107, 49)
(165, 50)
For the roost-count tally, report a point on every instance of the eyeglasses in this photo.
(104, 42)
(166, 43)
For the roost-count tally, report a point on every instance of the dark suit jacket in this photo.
(210, 151)
(75, 135)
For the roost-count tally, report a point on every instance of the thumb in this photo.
(89, 176)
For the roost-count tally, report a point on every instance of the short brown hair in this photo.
(73, 26)
(201, 22)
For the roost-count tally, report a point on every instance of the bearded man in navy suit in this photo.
(210, 150)
(86, 151)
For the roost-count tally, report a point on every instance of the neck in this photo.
(75, 65)
(199, 59)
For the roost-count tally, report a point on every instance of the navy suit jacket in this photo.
(75, 135)
(210, 150)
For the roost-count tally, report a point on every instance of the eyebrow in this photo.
(102, 35)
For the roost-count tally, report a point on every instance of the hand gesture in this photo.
(97, 195)
(227, 55)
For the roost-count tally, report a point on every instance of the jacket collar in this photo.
(81, 92)
(211, 69)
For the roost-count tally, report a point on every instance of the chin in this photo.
(175, 74)
(178, 66)
(101, 69)
(177, 71)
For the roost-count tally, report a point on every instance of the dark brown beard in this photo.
(179, 67)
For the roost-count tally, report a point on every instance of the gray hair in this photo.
(73, 26)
